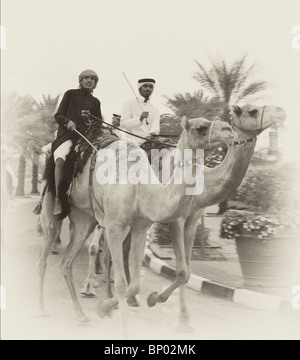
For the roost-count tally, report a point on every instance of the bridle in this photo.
(209, 135)
(89, 121)
(244, 142)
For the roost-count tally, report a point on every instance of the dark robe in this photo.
(70, 108)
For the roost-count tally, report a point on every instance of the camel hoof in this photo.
(87, 294)
(185, 329)
(83, 319)
(152, 299)
(105, 308)
(132, 302)
(43, 314)
(88, 290)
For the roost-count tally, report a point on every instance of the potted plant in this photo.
(267, 233)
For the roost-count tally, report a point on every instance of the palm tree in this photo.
(229, 83)
(43, 127)
(29, 125)
(14, 109)
(193, 105)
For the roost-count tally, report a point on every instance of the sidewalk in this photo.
(222, 278)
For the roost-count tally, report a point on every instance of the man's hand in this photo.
(71, 125)
(144, 115)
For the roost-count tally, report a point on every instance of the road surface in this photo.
(211, 317)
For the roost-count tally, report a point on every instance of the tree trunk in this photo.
(21, 176)
(34, 181)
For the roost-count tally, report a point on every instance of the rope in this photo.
(127, 132)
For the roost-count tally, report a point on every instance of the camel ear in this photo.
(237, 110)
(185, 123)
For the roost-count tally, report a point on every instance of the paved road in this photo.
(212, 318)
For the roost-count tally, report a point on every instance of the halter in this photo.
(244, 142)
(91, 117)
(209, 135)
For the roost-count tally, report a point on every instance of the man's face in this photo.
(115, 121)
(146, 90)
(88, 82)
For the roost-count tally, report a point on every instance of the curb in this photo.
(238, 296)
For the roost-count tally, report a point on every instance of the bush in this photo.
(271, 198)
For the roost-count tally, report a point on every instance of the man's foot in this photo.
(57, 207)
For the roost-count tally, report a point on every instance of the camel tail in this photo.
(38, 208)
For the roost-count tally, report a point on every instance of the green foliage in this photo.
(28, 124)
(269, 189)
(229, 83)
(194, 105)
(273, 204)
(170, 125)
(225, 85)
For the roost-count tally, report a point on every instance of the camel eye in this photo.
(253, 112)
(201, 130)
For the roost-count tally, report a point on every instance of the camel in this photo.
(248, 122)
(98, 235)
(123, 208)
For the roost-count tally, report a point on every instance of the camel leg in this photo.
(182, 273)
(108, 267)
(91, 282)
(131, 300)
(56, 243)
(81, 226)
(136, 254)
(50, 228)
(116, 235)
(189, 238)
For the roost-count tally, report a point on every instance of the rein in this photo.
(119, 129)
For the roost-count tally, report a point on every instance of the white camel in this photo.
(248, 122)
(98, 238)
(124, 208)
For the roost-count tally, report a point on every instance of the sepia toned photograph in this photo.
(149, 172)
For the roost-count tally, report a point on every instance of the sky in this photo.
(49, 42)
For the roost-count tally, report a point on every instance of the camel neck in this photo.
(169, 199)
(220, 181)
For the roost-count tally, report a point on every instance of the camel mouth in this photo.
(233, 136)
(279, 117)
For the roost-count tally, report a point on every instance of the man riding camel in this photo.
(139, 115)
(70, 117)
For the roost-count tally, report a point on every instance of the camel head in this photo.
(255, 119)
(204, 134)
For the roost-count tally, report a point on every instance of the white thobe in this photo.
(130, 119)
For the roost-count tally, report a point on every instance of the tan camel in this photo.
(98, 236)
(123, 208)
(248, 122)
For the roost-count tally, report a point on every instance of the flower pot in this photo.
(269, 263)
